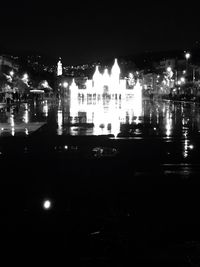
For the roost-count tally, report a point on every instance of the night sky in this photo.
(93, 31)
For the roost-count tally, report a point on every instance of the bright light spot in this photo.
(12, 131)
(26, 131)
(66, 147)
(187, 55)
(60, 122)
(12, 122)
(45, 84)
(65, 84)
(26, 117)
(191, 146)
(168, 125)
(11, 73)
(169, 69)
(130, 76)
(185, 149)
(47, 204)
(45, 108)
(25, 76)
(182, 79)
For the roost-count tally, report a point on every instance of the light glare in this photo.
(47, 204)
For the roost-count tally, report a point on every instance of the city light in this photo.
(182, 79)
(12, 73)
(187, 55)
(45, 84)
(25, 76)
(65, 84)
(46, 204)
(191, 147)
(169, 69)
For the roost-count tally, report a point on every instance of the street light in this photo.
(25, 78)
(12, 73)
(187, 57)
(182, 79)
(169, 69)
(65, 84)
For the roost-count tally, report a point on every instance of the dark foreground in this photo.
(139, 206)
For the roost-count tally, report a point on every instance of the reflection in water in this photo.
(60, 119)
(106, 114)
(94, 115)
(185, 149)
(45, 108)
(26, 114)
(168, 124)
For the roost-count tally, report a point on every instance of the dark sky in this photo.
(96, 30)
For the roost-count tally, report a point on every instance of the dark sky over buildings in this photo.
(82, 31)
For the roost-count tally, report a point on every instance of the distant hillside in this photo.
(146, 59)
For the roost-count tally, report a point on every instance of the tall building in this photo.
(59, 68)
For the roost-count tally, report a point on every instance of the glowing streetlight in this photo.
(12, 73)
(25, 78)
(65, 84)
(46, 204)
(169, 69)
(182, 79)
(187, 55)
(130, 75)
(45, 84)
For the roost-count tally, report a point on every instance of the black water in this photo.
(137, 202)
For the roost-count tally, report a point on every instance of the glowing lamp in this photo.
(47, 204)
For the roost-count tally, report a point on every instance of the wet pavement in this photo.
(122, 180)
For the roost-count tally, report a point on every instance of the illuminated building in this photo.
(106, 83)
(59, 68)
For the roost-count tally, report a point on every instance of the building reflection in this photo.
(60, 119)
(106, 114)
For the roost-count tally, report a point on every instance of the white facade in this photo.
(59, 68)
(106, 83)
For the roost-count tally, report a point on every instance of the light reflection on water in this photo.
(103, 116)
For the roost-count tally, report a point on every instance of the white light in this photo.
(130, 76)
(11, 73)
(25, 76)
(169, 69)
(182, 79)
(65, 84)
(66, 147)
(47, 204)
(191, 146)
(187, 55)
(45, 84)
